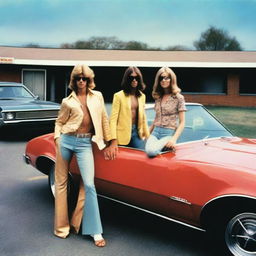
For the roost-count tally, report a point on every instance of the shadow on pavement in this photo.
(22, 133)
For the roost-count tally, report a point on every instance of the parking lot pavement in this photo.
(26, 212)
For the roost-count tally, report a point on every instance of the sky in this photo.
(159, 23)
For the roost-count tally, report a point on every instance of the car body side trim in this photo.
(30, 110)
(26, 159)
(153, 213)
(29, 120)
(228, 195)
(179, 199)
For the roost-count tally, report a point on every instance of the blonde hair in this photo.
(81, 69)
(158, 91)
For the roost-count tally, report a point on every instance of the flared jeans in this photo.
(87, 207)
(157, 140)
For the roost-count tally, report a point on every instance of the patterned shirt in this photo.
(167, 112)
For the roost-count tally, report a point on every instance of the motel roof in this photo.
(70, 57)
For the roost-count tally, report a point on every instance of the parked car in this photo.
(18, 105)
(208, 183)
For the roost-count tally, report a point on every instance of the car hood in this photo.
(28, 104)
(231, 152)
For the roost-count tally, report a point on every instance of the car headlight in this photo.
(9, 116)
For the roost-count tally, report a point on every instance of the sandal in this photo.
(100, 243)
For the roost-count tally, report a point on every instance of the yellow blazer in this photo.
(71, 115)
(121, 118)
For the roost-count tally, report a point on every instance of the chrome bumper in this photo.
(26, 159)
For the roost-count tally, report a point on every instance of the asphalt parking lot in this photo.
(26, 212)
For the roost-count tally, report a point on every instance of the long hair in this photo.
(126, 85)
(81, 69)
(158, 91)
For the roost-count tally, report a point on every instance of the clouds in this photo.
(155, 22)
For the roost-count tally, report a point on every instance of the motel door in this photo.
(34, 80)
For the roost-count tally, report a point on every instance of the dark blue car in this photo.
(18, 105)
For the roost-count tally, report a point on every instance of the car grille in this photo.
(36, 114)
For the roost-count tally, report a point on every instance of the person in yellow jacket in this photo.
(128, 122)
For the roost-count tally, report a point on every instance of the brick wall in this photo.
(231, 99)
(10, 73)
(222, 100)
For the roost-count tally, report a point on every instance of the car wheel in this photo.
(51, 182)
(240, 234)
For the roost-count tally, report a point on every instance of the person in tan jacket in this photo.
(128, 122)
(82, 118)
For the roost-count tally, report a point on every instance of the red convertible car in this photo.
(208, 183)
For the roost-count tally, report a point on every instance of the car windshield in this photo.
(200, 124)
(14, 92)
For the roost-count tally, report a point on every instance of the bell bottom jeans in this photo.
(157, 140)
(87, 204)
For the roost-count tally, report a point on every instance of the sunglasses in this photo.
(166, 78)
(78, 78)
(131, 78)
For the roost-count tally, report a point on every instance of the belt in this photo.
(81, 135)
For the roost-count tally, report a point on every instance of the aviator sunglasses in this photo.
(131, 78)
(78, 78)
(164, 78)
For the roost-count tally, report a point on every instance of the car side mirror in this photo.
(37, 97)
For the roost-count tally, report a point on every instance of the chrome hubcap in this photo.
(240, 234)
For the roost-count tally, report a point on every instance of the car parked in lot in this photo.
(18, 105)
(208, 183)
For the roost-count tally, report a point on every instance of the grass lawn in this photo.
(240, 121)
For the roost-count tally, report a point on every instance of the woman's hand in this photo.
(171, 144)
(110, 152)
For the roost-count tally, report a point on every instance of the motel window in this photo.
(35, 80)
(248, 81)
(202, 80)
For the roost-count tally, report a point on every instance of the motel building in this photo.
(207, 77)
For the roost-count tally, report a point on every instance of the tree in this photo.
(103, 42)
(177, 48)
(107, 43)
(96, 42)
(135, 45)
(214, 39)
(32, 45)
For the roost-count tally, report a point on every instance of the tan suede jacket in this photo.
(70, 117)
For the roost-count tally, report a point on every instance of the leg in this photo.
(153, 147)
(157, 141)
(136, 141)
(78, 212)
(91, 220)
(61, 222)
(163, 141)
